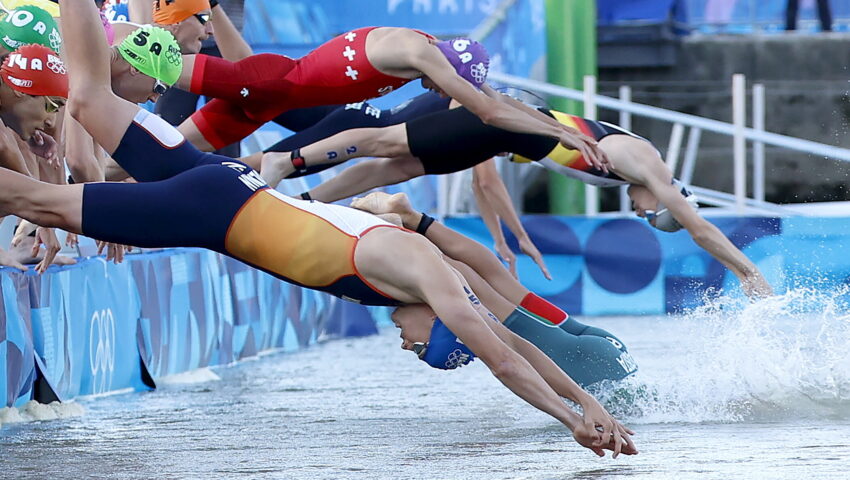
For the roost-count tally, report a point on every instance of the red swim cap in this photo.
(35, 70)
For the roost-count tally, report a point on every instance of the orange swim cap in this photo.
(169, 12)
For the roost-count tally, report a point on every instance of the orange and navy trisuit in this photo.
(454, 140)
(187, 198)
(257, 89)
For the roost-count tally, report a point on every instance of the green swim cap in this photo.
(154, 52)
(29, 24)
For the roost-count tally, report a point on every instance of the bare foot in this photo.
(22, 253)
(379, 203)
(275, 166)
(7, 260)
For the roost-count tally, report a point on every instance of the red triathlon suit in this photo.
(257, 89)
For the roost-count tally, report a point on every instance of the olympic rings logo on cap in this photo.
(456, 359)
(479, 72)
(55, 63)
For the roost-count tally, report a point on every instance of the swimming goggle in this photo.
(420, 349)
(663, 219)
(159, 88)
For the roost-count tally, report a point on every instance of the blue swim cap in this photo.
(444, 350)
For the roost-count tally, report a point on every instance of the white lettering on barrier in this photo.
(426, 7)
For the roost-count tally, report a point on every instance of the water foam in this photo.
(199, 375)
(782, 357)
(33, 411)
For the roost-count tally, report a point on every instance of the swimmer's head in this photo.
(155, 64)
(34, 86)
(190, 21)
(426, 335)
(468, 57)
(27, 25)
(656, 213)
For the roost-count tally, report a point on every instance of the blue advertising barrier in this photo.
(625, 267)
(96, 327)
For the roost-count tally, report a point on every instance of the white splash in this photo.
(782, 357)
(33, 411)
(199, 375)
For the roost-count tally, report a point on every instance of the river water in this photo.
(728, 391)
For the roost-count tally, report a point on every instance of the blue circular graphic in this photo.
(623, 256)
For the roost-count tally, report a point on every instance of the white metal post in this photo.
(739, 121)
(691, 151)
(591, 193)
(758, 147)
(675, 146)
(625, 115)
(442, 195)
(625, 122)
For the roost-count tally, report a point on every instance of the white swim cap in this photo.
(663, 218)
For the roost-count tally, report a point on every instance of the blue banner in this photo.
(625, 267)
(96, 327)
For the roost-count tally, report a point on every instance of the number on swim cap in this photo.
(141, 40)
(16, 59)
(461, 44)
(22, 18)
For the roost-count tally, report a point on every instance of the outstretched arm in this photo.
(581, 141)
(638, 162)
(520, 366)
(366, 175)
(417, 274)
(230, 42)
(80, 155)
(491, 218)
(91, 100)
(140, 11)
(710, 238)
(494, 203)
(595, 414)
(503, 114)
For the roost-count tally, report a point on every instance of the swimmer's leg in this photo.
(587, 359)
(575, 327)
(360, 142)
(41, 203)
(367, 175)
(193, 209)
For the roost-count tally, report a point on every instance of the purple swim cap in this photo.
(469, 58)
